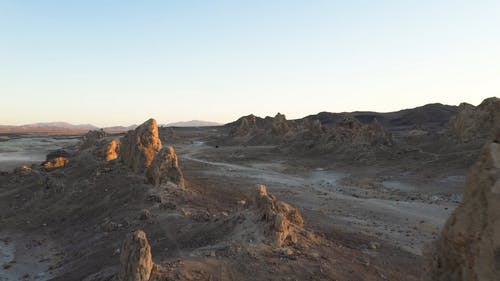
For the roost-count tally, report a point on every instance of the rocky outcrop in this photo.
(165, 168)
(56, 154)
(244, 126)
(280, 125)
(112, 150)
(477, 122)
(282, 222)
(352, 132)
(55, 163)
(313, 129)
(92, 137)
(140, 146)
(136, 263)
(468, 248)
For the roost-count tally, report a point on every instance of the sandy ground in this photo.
(25, 257)
(390, 213)
(17, 150)
(373, 219)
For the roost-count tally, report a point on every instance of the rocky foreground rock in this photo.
(468, 248)
(136, 263)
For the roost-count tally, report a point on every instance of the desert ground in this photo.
(366, 216)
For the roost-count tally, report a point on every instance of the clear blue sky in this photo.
(121, 62)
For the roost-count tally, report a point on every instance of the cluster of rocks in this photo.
(468, 248)
(309, 133)
(244, 126)
(477, 122)
(141, 150)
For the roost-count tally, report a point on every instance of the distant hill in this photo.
(58, 128)
(119, 129)
(192, 123)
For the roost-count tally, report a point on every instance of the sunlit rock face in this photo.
(140, 146)
(55, 163)
(112, 150)
(468, 249)
(477, 122)
(165, 168)
(136, 263)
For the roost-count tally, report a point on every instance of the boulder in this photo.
(136, 263)
(165, 168)
(140, 146)
(468, 249)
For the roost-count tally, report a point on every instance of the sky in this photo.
(121, 62)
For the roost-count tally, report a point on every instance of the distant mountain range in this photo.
(67, 128)
(192, 123)
(60, 128)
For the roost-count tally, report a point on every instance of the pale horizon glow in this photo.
(114, 62)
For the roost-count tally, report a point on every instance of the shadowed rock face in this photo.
(165, 168)
(92, 137)
(135, 258)
(468, 249)
(477, 122)
(244, 126)
(280, 125)
(282, 220)
(139, 147)
(351, 131)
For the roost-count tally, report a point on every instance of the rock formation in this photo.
(468, 248)
(136, 263)
(314, 129)
(165, 168)
(280, 125)
(142, 151)
(140, 146)
(282, 221)
(352, 132)
(473, 123)
(57, 153)
(244, 126)
(112, 150)
(92, 137)
(55, 163)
